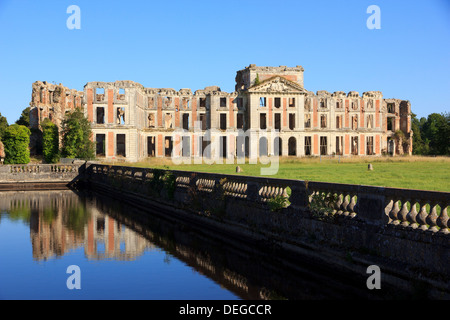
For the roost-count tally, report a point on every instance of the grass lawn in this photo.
(423, 173)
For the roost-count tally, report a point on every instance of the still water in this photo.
(128, 253)
(43, 233)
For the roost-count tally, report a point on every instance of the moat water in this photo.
(124, 253)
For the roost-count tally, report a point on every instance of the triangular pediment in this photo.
(277, 84)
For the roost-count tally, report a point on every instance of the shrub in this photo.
(50, 141)
(16, 140)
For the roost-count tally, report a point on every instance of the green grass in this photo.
(420, 173)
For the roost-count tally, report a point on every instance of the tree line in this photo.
(431, 134)
(74, 140)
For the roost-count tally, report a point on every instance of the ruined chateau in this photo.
(131, 122)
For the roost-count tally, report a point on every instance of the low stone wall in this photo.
(404, 232)
(38, 176)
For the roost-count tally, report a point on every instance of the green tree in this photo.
(434, 131)
(16, 139)
(3, 125)
(24, 119)
(76, 137)
(419, 146)
(50, 141)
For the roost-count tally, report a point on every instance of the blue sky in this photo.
(193, 44)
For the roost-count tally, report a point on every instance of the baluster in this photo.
(352, 205)
(393, 213)
(412, 214)
(402, 214)
(442, 221)
(432, 217)
(422, 217)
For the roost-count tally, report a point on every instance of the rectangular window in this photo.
(151, 146)
(323, 146)
(307, 146)
(292, 102)
(277, 102)
(240, 121)
(186, 121)
(100, 115)
(307, 121)
(100, 145)
(338, 122)
(323, 121)
(202, 102)
(262, 121)
(277, 125)
(120, 145)
(339, 145)
(203, 121)
(168, 146)
(100, 94)
(223, 121)
(390, 124)
(223, 147)
(292, 121)
(186, 146)
(369, 147)
(355, 146)
(390, 107)
(223, 102)
(262, 102)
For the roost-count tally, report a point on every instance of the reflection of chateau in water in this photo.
(61, 221)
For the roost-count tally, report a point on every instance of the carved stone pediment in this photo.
(277, 85)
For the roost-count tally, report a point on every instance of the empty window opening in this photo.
(277, 102)
(186, 121)
(100, 145)
(151, 120)
(262, 101)
(322, 103)
(151, 146)
(390, 124)
(121, 95)
(204, 150)
(307, 121)
(262, 121)
(307, 146)
(100, 94)
(263, 147)
(186, 146)
(277, 146)
(370, 121)
(355, 105)
(323, 146)
(120, 145)
(168, 121)
(223, 121)
(240, 146)
(277, 121)
(338, 122)
(390, 107)
(203, 121)
(354, 122)
(292, 121)
(223, 146)
(323, 121)
(292, 146)
(120, 116)
(202, 102)
(223, 102)
(339, 145)
(369, 146)
(292, 102)
(240, 121)
(100, 115)
(355, 146)
(168, 146)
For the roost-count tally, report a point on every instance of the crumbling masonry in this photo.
(131, 122)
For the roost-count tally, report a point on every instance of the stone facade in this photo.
(131, 122)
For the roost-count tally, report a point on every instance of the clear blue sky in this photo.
(193, 44)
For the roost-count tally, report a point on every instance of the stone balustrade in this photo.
(37, 173)
(412, 209)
